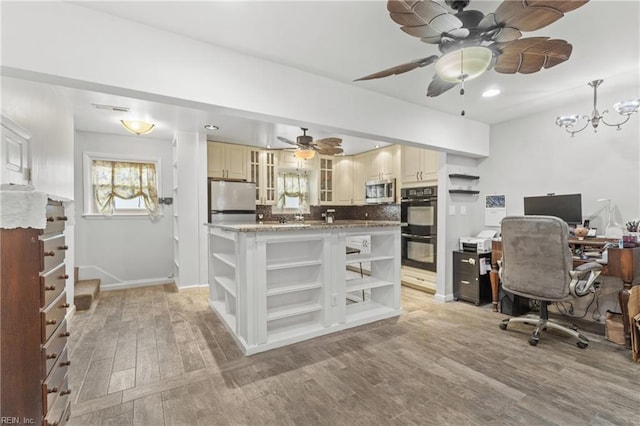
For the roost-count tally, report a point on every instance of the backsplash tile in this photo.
(370, 212)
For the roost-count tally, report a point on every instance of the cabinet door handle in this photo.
(52, 390)
(63, 248)
(65, 364)
(50, 219)
(51, 322)
(50, 288)
(464, 282)
(417, 175)
(66, 392)
(62, 218)
(64, 277)
(64, 306)
(420, 175)
(52, 356)
(65, 334)
(49, 253)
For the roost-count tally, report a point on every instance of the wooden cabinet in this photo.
(343, 181)
(263, 171)
(287, 160)
(419, 165)
(326, 180)
(226, 161)
(359, 174)
(420, 279)
(33, 338)
(471, 277)
(380, 164)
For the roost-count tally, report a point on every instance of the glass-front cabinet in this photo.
(262, 171)
(326, 180)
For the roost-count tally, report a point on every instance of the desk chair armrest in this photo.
(583, 278)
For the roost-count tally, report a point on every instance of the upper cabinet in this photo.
(262, 166)
(359, 177)
(343, 180)
(419, 165)
(287, 160)
(326, 170)
(381, 162)
(226, 161)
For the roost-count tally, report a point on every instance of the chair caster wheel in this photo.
(582, 345)
(534, 339)
(503, 326)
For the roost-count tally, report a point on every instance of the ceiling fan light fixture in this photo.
(464, 64)
(137, 127)
(304, 154)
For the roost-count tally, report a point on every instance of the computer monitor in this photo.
(566, 207)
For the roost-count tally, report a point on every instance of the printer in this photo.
(481, 243)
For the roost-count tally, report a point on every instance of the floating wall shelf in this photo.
(461, 176)
(463, 191)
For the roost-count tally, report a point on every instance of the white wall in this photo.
(167, 67)
(47, 115)
(124, 251)
(533, 156)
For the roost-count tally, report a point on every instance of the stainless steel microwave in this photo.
(380, 191)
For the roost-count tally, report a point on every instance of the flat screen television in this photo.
(566, 207)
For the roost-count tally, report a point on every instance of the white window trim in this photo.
(87, 159)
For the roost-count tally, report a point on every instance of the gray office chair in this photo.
(537, 263)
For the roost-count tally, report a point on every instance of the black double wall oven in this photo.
(419, 217)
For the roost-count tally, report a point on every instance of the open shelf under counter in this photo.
(366, 258)
(292, 310)
(292, 288)
(293, 263)
(364, 311)
(228, 284)
(219, 306)
(226, 258)
(366, 282)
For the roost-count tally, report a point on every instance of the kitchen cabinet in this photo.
(420, 279)
(34, 350)
(419, 165)
(326, 180)
(359, 177)
(343, 180)
(226, 161)
(262, 170)
(286, 160)
(380, 164)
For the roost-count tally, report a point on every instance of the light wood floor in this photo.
(154, 356)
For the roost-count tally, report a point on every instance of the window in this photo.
(292, 192)
(120, 186)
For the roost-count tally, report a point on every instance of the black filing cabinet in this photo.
(470, 278)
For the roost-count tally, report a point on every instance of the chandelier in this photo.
(624, 108)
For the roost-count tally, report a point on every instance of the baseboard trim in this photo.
(135, 284)
(192, 287)
(443, 298)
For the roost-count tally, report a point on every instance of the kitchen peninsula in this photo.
(277, 284)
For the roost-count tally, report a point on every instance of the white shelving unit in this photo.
(223, 284)
(380, 287)
(272, 289)
(176, 224)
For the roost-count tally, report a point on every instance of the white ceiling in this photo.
(344, 40)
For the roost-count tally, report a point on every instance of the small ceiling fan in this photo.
(307, 147)
(471, 42)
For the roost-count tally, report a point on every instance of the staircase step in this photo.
(85, 292)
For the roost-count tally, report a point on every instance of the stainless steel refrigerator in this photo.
(232, 202)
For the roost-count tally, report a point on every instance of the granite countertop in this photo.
(303, 226)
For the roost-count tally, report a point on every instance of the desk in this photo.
(622, 263)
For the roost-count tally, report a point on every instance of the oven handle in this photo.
(409, 200)
(421, 237)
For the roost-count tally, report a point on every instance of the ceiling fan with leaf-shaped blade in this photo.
(471, 42)
(306, 145)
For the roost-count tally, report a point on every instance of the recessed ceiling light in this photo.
(490, 93)
(211, 127)
(377, 146)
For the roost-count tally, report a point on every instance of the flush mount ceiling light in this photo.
(304, 153)
(211, 127)
(490, 93)
(624, 108)
(137, 127)
(464, 64)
